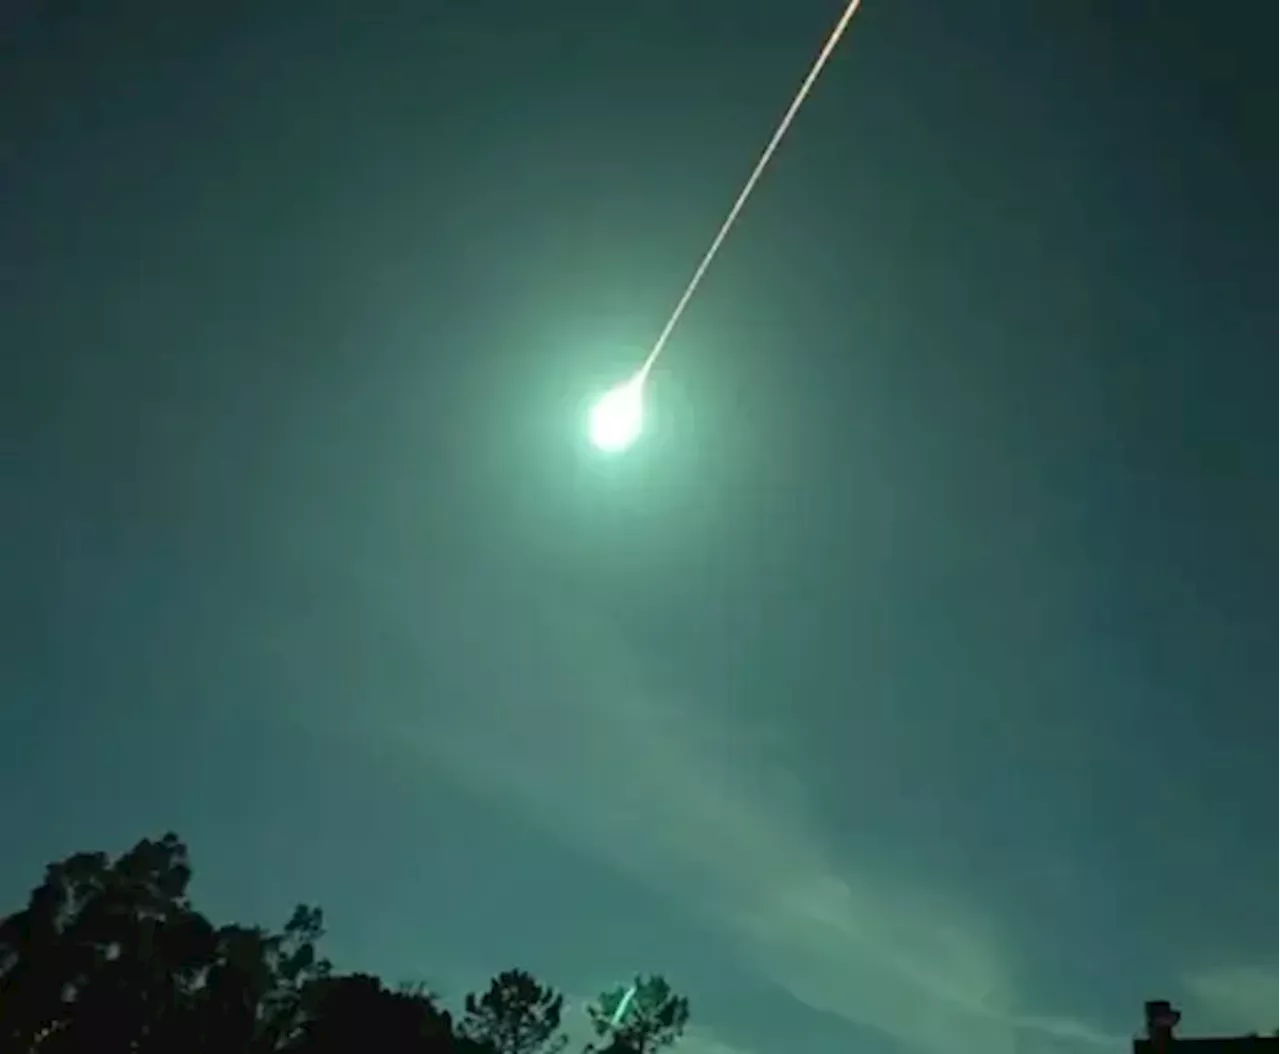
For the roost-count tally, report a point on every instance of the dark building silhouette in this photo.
(1162, 1019)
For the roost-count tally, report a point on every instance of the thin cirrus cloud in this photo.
(573, 727)
(1233, 997)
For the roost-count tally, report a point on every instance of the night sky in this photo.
(906, 690)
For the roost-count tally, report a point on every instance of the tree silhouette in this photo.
(110, 957)
(104, 951)
(654, 1018)
(350, 1013)
(516, 1015)
(256, 988)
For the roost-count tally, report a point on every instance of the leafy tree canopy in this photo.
(109, 956)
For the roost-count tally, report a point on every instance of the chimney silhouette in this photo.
(1161, 1021)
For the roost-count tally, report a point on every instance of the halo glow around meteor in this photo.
(618, 417)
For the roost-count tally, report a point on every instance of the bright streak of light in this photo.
(624, 1004)
(618, 417)
(749, 186)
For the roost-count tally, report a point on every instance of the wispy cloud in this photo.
(703, 1041)
(612, 757)
(1236, 998)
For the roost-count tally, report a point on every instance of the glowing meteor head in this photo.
(617, 419)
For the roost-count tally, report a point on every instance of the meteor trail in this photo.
(750, 184)
(618, 417)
